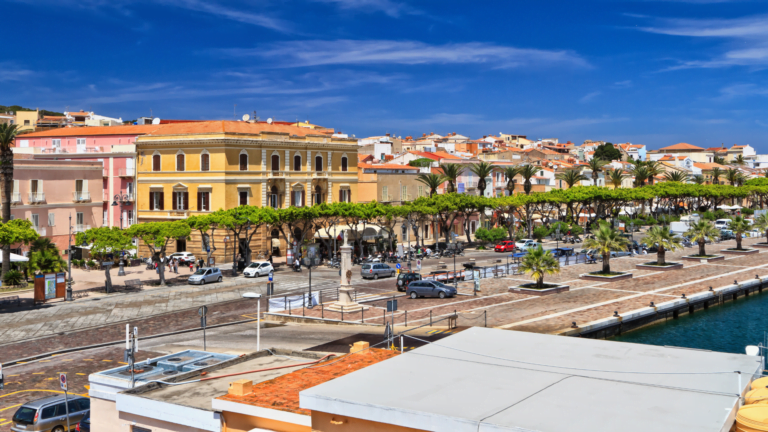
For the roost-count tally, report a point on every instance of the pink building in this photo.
(48, 192)
(113, 147)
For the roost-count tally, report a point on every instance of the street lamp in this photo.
(69, 262)
(121, 198)
(257, 296)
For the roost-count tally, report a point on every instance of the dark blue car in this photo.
(85, 423)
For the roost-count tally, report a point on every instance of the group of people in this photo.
(173, 265)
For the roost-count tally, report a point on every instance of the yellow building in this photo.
(27, 120)
(187, 169)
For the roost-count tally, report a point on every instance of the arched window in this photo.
(275, 162)
(318, 163)
(180, 162)
(243, 162)
(205, 162)
(273, 198)
(156, 162)
(343, 163)
(297, 163)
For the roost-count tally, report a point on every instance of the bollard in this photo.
(362, 315)
(342, 314)
(322, 311)
(486, 317)
(302, 307)
(406, 318)
(384, 315)
(289, 306)
(430, 318)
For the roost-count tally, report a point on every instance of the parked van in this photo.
(722, 224)
(679, 227)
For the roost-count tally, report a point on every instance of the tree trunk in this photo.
(7, 190)
(527, 187)
(607, 263)
(701, 248)
(108, 279)
(540, 282)
(481, 186)
(660, 256)
(161, 270)
(451, 187)
(235, 247)
(738, 241)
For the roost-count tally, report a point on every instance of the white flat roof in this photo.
(437, 388)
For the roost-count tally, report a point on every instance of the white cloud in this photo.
(389, 7)
(357, 52)
(12, 72)
(589, 96)
(623, 84)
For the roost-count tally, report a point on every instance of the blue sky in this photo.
(651, 72)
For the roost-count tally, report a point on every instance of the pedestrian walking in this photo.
(176, 266)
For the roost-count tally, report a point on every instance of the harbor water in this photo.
(726, 328)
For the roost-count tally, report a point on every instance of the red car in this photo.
(505, 246)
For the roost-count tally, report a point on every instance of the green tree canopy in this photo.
(607, 152)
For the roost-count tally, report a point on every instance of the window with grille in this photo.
(205, 159)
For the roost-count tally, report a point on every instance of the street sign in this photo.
(63, 381)
(202, 311)
(418, 264)
(391, 305)
(271, 276)
(398, 266)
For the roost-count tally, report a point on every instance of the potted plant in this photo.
(605, 240)
(666, 241)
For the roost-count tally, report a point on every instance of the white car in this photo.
(185, 257)
(259, 268)
(526, 244)
(722, 224)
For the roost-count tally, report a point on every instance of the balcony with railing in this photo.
(36, 197)
(471, 184)
(320, 174)
(386, 198)
(126, 172)
(80, 196)
(40, 230)
(15, 198)
(275, 174)
(81, 228)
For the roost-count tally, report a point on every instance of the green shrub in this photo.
(747, 211)
(13, 277)
(708, 215)
(650, 221)
(91, 263)
(491, 235)
(540, 232)
(721, 214)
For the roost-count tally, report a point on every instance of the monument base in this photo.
(345, 303)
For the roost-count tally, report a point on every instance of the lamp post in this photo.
(257, 296)
(120, 198)
(69, 262)
(248, 248)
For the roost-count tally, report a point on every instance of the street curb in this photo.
(104, 344)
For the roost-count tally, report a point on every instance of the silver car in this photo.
(376, 270)
(205, 275)
(49, 414)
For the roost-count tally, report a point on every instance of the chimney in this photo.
(360, 348)
(240, 387)
(387, 134)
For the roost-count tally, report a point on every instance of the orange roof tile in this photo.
(387, 166)
(93, 131)
(282, 393)
(682, 146)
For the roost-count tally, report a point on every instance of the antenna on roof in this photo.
(156, 121)
(246, 117)
(269, 120)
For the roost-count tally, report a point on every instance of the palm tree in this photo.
(732, 175)
(538, 263)
(616, 177)
(654, 168)
(641, 175)
(596, 165)
(761, 223)
(47, 261)
(718, 160)
(8, 134)
(702, 231)
(739, 160)
(606, 240)
(666, 239)
(739, 226)
(716, 173)
(481, 170)
(432, 181)
(451, 172)
(511, 172)
(42, 244)
(572, 177)
(527, 171)
(698, 179)
(676, 176)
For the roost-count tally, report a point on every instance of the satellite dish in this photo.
(246, 117)
(269, 120)
(156, 120)
(753, 350)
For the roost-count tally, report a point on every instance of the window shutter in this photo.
(303, 198)
(85, 186)
(341, 195)
(51, 219)
(243, 162)
(200, 205)
(293, 199)
(186, 200)
(162, 200)
(156, 163)
(151, 202)
(15, 186)
(40, 186)
(173, 200)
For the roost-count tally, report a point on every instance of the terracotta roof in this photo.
(682, 146)
(282, 393)
(708, 166)
(717, 149)
(387, 166)
(93, 131)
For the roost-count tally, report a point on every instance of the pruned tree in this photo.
(104, 241)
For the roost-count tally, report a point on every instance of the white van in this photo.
(722, 223)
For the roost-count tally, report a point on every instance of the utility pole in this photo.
(69, 262)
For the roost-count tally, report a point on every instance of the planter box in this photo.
(705, 260)
(594, 277)
(760, 245)
(669, 266)
(746, 251)
(536, 292)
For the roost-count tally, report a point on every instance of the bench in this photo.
(134, 284)
(10, 300)
(498, 272)
(80, 294)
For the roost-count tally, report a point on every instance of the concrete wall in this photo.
(324, 422)
(244, 423)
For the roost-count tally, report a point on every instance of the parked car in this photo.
(505, 246)
(49, 414)
(206, 274)
(443, 246)
(727, 235)
(558, 252)
(376, 270)
(722, 223)
(525, 243)
(256, 269)
(85, 423)
(405, 278)
(427, 288)
(185, 257)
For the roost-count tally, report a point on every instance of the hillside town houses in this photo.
(158, 170)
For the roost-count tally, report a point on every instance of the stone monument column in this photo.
(346, 292)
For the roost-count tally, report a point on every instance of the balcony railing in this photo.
(275, 174)
(471, 184)
(82, 228)
(40, 231)
(126, 172)
(320, 174)
(54, 150)
(36, 197)
(386, 198)
(15, 198)
(81, 196)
